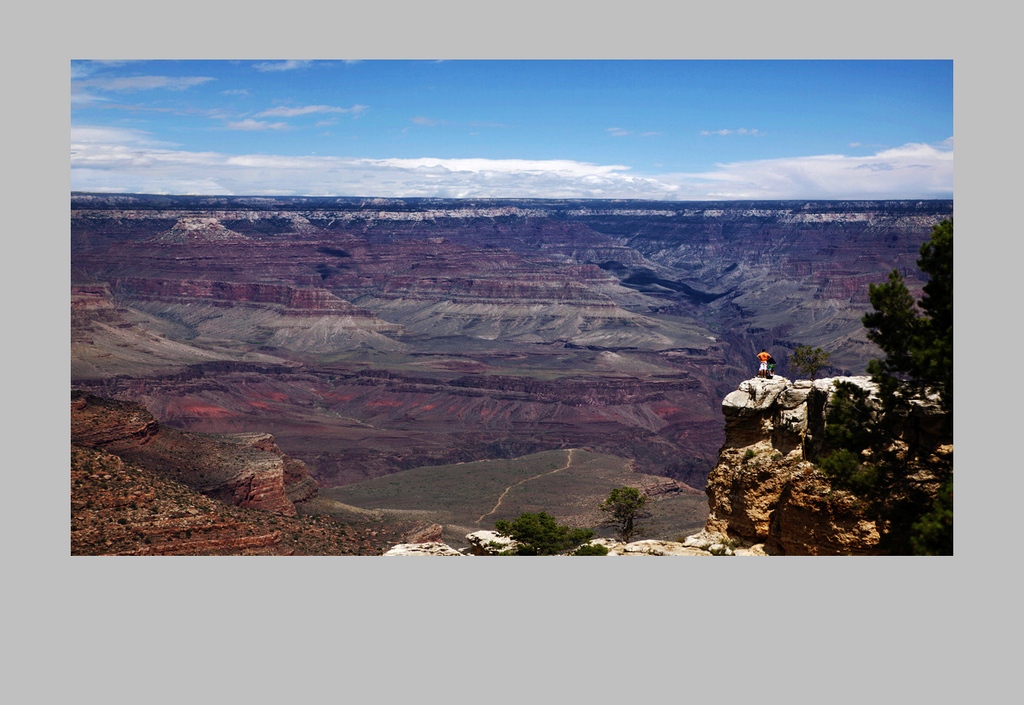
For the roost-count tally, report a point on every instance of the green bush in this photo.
(626, 506)
(540, 535)
(591, 549)
(809, 360)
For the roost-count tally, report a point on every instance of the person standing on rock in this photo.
(762, 358)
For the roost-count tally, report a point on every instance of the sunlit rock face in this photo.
(766, 489)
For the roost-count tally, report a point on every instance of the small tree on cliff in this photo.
(540, 535)
(869, 456)
(626, 506)
(808, 360)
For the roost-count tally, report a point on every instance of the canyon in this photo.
(374, 337)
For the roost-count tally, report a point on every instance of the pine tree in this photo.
(808, 360)
(626, 506)
(868, 452)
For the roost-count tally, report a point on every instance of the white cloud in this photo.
(250, 124)
(282, 111)
(91, 90)
(432, 122)
(619, 132)
(566, 167)
(80, 97)
(143, 83)
(724, 133)
(88, 136)
(910, 171)
(82, 68)
(104, 159)
(290, 65)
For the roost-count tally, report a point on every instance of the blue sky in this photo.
(671, 130)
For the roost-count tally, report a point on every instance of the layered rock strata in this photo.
(245, 469)
(122, 509)
(603, 292)
(293, 301)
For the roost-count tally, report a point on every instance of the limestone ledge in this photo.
(491, 543)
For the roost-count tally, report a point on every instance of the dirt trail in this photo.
(568, 462)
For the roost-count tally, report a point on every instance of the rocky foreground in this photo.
(766, 487)
(140, 488)
(490, 543)
(119, 509)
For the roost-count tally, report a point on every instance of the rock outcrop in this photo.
(766, 488)
(194, 230)
(431, 548)
(244, 469)
(123, 509)
(425, 534)
(491, 543)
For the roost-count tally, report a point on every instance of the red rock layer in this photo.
(118, 508)
(247, 470)
(296, 301)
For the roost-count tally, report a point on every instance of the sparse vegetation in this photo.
(460, 494)
(591, 549)
(626, 506)
(809, 361)
(540, 535)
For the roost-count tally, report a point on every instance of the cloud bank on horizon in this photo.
(662, 130)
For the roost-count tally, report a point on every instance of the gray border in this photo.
(296, 627)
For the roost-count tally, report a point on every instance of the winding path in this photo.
(568, 462)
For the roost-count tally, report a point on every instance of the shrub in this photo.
(625, 504)
(809, 360)
(591, 549)
(540, 535)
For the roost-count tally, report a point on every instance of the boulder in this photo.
(489, 543)
(432, 548)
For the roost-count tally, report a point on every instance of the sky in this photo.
(672, 130)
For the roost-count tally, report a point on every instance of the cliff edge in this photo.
(766, 489)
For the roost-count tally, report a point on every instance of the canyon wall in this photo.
(246, 470)
(374, 335)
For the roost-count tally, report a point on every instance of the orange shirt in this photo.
(763, 356)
